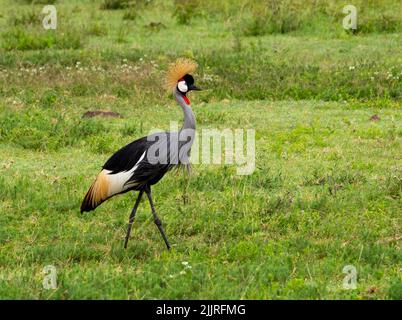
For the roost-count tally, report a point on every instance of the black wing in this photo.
(127, 157)
(147, 172)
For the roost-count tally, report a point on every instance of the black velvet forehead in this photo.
(189, 79)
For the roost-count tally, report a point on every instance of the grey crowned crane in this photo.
(143, 162)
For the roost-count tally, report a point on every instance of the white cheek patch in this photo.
(182, 86)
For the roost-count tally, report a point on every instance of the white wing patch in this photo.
(117, 181)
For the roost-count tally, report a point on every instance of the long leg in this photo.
(131, 219)
(157, 221)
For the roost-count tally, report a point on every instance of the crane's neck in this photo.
(189, 118)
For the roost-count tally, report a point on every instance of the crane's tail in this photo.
(97, 193)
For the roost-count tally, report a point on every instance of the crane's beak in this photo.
(193, 87)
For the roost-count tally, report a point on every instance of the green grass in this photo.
(326, 191)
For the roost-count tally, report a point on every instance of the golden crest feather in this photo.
(178, 70)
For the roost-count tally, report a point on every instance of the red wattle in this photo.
(186, 100)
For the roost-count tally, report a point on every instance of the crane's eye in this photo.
(182, 86)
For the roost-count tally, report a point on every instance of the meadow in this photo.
(325, 104)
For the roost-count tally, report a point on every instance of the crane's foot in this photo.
(131, 218)
(157, 221)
